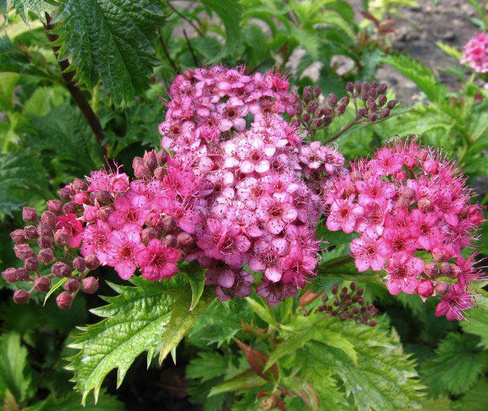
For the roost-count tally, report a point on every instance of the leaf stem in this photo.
(76, 93)
(166, 53)
(186, 19)
(344, 129)
(190, 47)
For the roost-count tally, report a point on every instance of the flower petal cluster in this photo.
(413, 215)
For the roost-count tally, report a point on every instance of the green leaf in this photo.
(475, 400)
(229, 12)
(182, 318)
(72, 402)
(450, 51)
(457, 364)
(196, 277)
(383, 377)
(37, 7)
(208, 365)
(15, 373)
(419, 74)
(478, 320)
(261, 311)
(65, 138)
(110, 40)
(134, 322)
(243, 381)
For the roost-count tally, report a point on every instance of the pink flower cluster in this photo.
(476, 53)
(412, 212)
(260, 185)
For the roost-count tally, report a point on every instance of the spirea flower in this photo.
(476, 53)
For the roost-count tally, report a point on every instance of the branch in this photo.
(166, 52)
(78, 96)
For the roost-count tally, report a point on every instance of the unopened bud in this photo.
(29, 214)
(71, 285)
(371, 104)
(45, 241)
(382, 100)
(90, 285)
(64, 300)
(137, 162)
(382, 88)
(23, 251)
(363, 112)
(317, 91)
(62, 238)
(79, 264)
(92, 262)
(79, 184)
(446, 269)
(148, 234)
(142, 172)
(159, 173)
(341, 108)
(44, 229)
(455, 271)
(332, 99)
(150, 160)
(104, 213)
(22, 274)
(425, 288)
(170, 241)
(21, 296)
(70, 208)
(55, 206)
(384, 112)
(49, 217)
(185, 239)
(46, 255)
(430, 166)
(350, 87)
(442, 288)
(305, 117)
(30, 232)
(65, 193)
(391, 104)
(162, 157)
(10, 275)
(31, 263)
(318, 123)
(42, 284)
(102, 197)
(307, 94)
(18, 236)
(372, 117)
(431, 270)
(425, 205)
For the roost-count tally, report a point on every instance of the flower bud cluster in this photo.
(314, 112)
(405, 203)
(374, 104)
(349, 304)
(47, 241)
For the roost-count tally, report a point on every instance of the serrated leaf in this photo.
(196, 277)
(110, 40)
(15, 373)
(182, 318)
(456, 366)
(37, 7)
(383, 378)
(134, 322)
(65, 138)
(450, 51)
(474, 400)
(478, 320)
(72, 401)
(261, 311)
(243, 381)
(207, 366)
(229, 12)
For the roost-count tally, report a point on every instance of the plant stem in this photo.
(78, 96)
(344, 129)
(166, 52)
(195, 60)
(186, 19)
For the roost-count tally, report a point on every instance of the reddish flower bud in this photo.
(137, 162)
(455, 271)
(442, 288)
(382, 88)
(64, 300)
(362, 112)
(150, 160)
(159, 173)
(430, 166)
(185, 239)
(446, 269)
(350, 87)
(70, 208)
(142, 172)
(372, 117)
(170, 241)
(18, 236)
(162, 157)
(55, 206)
(79, 264)
(385, 112)
(382, 101)
(22, 274)
(317, 91)
(30, 232)
(44, 229)
(425, 289)
(10, 275)
(45, 241)
(23, 251)
(49, 217)
(65, 193)
(148, 234)
(21, 296)
(431, 270)
(306, 117)
(341, 109)
(79, 184)
(92, 262)
(29, 214)
(332, 99)
(391, 104)
(71, 285)
(46, 255)
(56, 268)
(102, 197)
(62, 238)
(90, 285)
(42, 284)
(31, 263)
